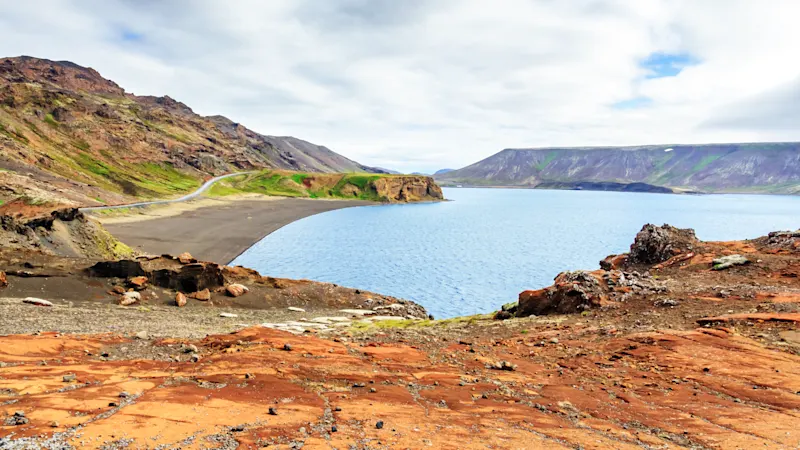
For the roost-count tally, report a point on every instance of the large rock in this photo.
(203, 296)
(572, 292)
(37, 301)
(725, 262)
(164, 271)
(236, 290)
(180, 299)
(654, 244)
(130, 298)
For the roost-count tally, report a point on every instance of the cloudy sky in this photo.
(418, 85)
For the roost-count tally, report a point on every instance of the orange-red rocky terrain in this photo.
(658, 350)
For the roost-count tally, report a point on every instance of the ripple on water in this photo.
(479, 251)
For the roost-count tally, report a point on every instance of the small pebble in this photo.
(69, 378)
(273, 412)
(379, 424)
(334, 429)
(287, 347)
(124, 394)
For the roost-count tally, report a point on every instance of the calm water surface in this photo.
(480, 250)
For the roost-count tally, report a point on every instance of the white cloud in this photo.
(420, 85)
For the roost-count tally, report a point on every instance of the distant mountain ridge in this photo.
(68, 135)
(772, 167)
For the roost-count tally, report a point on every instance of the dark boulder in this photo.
(654, 244)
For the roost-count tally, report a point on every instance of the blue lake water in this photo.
(480, 250)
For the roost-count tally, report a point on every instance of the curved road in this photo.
(186, 197)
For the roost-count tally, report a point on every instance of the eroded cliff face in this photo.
(65, 232)
(408, 189)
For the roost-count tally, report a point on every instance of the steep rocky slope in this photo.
(69, 136)
(757, 167)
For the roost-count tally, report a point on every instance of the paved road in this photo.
(193, 195)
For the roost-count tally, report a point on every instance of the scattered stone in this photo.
(186, 258)
(203, 296)
(287, 347)
(379, 424)
(195, 357)
(69, 378)
(358, 312)
(510, 307)
(228, 315)
(373, 390)
(236, 290)
(249, 376)
(130, 298)
(554, 340)
(180, 299)
(142, 335)
(666, 303)
(296, 309)
(138, 283)
(124, 394)
(359, 385)
(54, 424)
(17, 419)
(503, 365)
(726, 262)
(237, 428)
(337, 409)
(118, 290)
(113, 404)
(503, 315)
(191, 348)
(334, 429)
(37, 301)
(273, 411)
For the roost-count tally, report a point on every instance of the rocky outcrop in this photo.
(654, 244)
(63, 232)
(572, 292)
(405, 188)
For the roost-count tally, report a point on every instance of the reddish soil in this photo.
(717, 368)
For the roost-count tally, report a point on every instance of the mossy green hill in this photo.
(69, 136)
(370, 187)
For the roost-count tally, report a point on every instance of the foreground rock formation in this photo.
(664, 354)
(64, 232)
(566, 386)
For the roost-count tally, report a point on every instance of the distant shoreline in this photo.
(215, 230)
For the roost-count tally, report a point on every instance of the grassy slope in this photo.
(68, 151)
(298, 184)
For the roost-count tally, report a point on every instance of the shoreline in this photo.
(214, 229)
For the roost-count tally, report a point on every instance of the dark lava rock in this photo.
(654, 244)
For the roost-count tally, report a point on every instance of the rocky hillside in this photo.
(373, 187)
(755, 168)
(70, 136)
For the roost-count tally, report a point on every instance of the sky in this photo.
(420, 85)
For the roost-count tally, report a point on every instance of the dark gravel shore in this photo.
(221, 232)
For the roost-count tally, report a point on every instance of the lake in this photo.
(478, 251)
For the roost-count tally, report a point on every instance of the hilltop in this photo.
(69, 136)
(748, 168)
